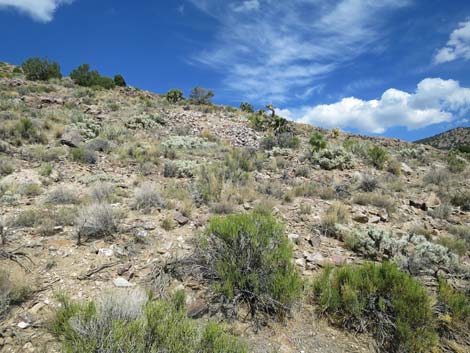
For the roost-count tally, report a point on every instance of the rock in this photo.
(433, 200)
(197, 309)
(338, 260)
(361, 218)
(420, 205)
(71, 138)
(150, 226)
(317, 258)
(300, 262)
(247, 206)
(405, 168)
(105, 252)
(294, 238)
(374, 219)
(23, 325)
(122, 283)
(182, 220)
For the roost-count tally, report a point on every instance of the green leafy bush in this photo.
(462, 200)
(455, 162)
(281, 140)
(119, 81)
(379, 299)
(250, 259)
(174, 95)
(455, 304)
(246, 107)
(317, 141)
(378, 156)
(126, 321)
(82, 76)
(83, 155)
(38, 69)
(200, 95)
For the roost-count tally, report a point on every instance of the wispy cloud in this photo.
(274, 50)
(458, 46)
(434, 101)
(39, 10)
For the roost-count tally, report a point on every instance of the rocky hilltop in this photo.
(322, 241)
(459, 137)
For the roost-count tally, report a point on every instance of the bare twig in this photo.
(95, 270)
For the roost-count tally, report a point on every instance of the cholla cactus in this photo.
(335, 132)
(334, 158)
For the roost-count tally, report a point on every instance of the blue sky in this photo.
(397, 68)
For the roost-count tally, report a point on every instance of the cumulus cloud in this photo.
(286, 47)
(458, 46)
(40, 10)
(434, 101)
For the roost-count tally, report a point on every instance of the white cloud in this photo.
(434, 101)
(458, 46)
(40, 10)
(286, 47)
(246, 6)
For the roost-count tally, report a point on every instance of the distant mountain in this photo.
(454, 138)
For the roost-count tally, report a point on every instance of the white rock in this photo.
(23, 325)
(122, 282)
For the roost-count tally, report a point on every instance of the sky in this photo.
(395, 68)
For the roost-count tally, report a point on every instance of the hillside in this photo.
(110, 194)
(450, 139)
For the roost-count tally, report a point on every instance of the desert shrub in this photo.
(455, 304)
(83, 155)
(457, 246)
(13, 291)
(317, 141)
(462, 232)
(98, 145)
(200, 95)
(168, 223)
(380, 299)
(61, 196)
(302, 171)
(147, 197)
(258, 121)
(127, 321)
(238, 163)
(119, 81)
(305, 208)
(37, 69)
(333, 158)
(82, 76)
(441, 212)
(246, 107)
(337, 213)
(30, 189)
(394, 167)
(6, 167)
(26, 128)
(335, 132)
(461, 200)
(250, 259)
(375, 199)
(378, 156)
(179, 169)
(455, 162)
(96, 220)
(102, 192)
(438, 176)
(368, 183)
(281, 140)
(174, 95)
(28, 218)
(357, 147)
(411, 252)
(222, 207)
(209, 184)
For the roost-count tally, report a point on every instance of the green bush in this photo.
(83, 155)
(456, 304)
(82, 76)
(378, 156)
(125, 322)
(246, 107)
(317, 141)
(119, 81)
(455, 162)
(380, 299)
(37, 69)
(174, 95)
(250, 259)
(200, 95)
(462, 200)
(281, 140)
(334, 158)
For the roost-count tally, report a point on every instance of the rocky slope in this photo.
(62, 147)
(449, 139)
